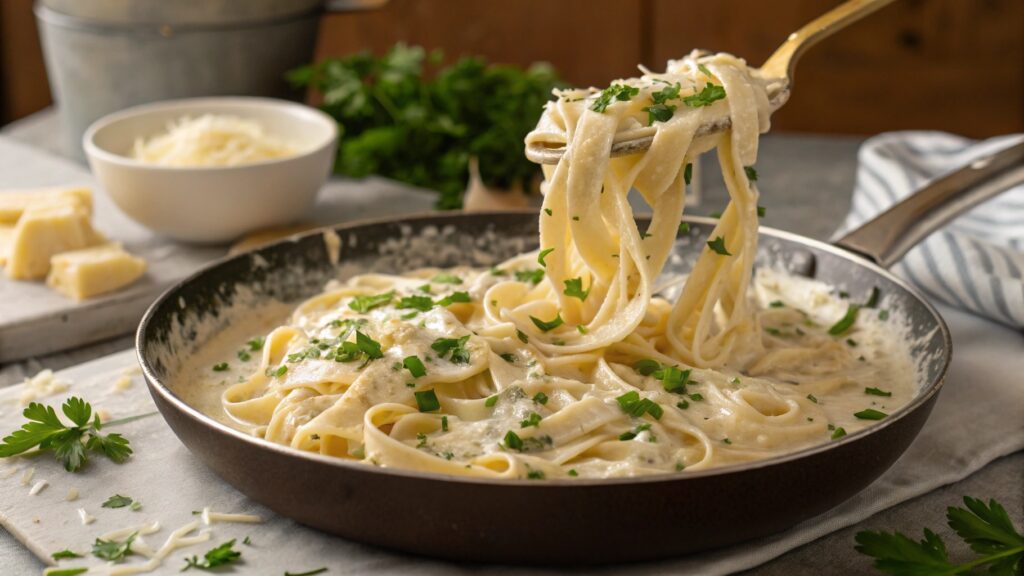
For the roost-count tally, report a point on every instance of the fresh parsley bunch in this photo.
(70, 444)
(986, 529)
(397, 121)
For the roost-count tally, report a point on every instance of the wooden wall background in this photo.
(955, 65)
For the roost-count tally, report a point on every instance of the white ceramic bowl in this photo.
(213, 204)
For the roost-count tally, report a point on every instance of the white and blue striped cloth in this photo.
(977, 262)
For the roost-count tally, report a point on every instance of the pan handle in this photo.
(888, 236)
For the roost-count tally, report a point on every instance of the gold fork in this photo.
(778, 70)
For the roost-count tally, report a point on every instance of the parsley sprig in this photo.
(220, 556)
(987, 529)
(70, 444)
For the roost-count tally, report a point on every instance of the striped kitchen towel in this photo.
(977, 261)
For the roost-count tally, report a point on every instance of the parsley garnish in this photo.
(445, 278)
(632, 404)
(221, 367)
(117, 501)
(549, 325)
(532, 420)
(427, 401)
(220, 556)
(364, 304)
(454, 298)
(421, 303)
(877, 392)
(531, 276)
(846, 322)
(454, 348)
(540, 398)
(415, 366)
(705, 97)
(718, 245)
(69, 444)
(543, 254)
(988, 531)
(870, 414)
(65, 554)
(619, 92)
(574, 289)
(111, 549)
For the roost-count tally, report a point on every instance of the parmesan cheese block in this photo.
(92, 271)
(6, 232)
(47, 229)
(14, 204)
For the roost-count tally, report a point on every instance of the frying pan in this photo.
(554, 521)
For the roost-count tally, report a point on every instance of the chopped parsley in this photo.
(531, 276)
(220, 556)
(615, 92)
(454, 348)
(221, 367)
(550, 324)
(718, 245)
(117, 501)
(540, 398)
(705, 97)
(574, 289)
(870, 414)
(634, 432)
(877, 392)
(415, 366)
(632, 404)
(532, 420)
(454, 298)
(421, 303)
(445, 278)
(364, 304)
(543, 254)
(427, 401)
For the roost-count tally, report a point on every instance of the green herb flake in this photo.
(446, 278)
(549, 325)
(543, 254)
(427, 401)
(215, 557)
(364, 304)
(877, 392)
(415, 366)
(574, 289)
(870, 414)
(718, 246)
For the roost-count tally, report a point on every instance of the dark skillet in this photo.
(552, 522)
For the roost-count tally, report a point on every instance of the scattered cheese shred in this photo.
(211, 140)
(38, 487)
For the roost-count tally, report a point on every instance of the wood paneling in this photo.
(919, 64)
(590, 41)
(23, 85)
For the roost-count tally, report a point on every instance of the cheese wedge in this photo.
(45, 230)
(14, 203)
(6, 233)
(89, 272)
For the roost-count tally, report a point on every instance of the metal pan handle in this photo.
(891, 234)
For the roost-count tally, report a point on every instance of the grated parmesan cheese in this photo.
(211, 140)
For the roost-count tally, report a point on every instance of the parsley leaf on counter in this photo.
(69, 444)
(220, 556)
(988, 531)
(405, 119)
